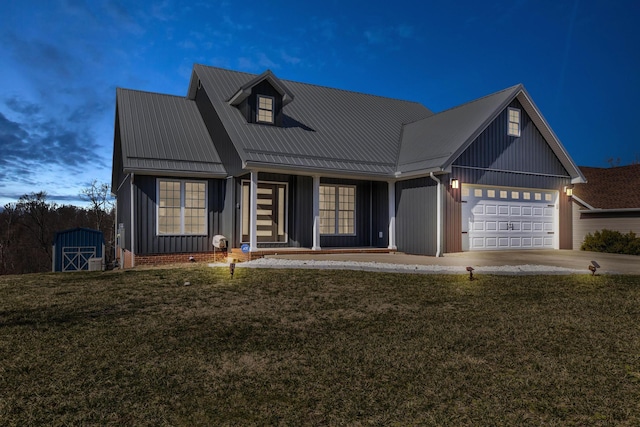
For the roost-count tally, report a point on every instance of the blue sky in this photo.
(61, 61)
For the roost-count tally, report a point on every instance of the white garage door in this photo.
(496, 218)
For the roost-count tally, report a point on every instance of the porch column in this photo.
(253, 212)
(316, 213)
(392, 215)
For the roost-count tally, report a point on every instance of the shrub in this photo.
(612, 242)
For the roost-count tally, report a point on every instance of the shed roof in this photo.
(610, 188)
(324, 129)
(164, 133)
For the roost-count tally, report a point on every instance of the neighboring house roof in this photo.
(436, 142)
(324, 129)
(164, 133)
(609, 188)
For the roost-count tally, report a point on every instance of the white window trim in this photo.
(337, 209)
(509, 110)
(286, 209)
(273, 109)
(182, 206)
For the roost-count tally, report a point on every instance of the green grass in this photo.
(305, 347)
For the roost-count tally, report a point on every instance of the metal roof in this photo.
(324, 129)
(166, 134)
(434, 143)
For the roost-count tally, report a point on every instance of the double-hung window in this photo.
(513, 126)
(265, 109)
(338, 209)
(182, 207)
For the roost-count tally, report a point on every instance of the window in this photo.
(513, 127)
(265, 109)
(337, 209)
(182, 207)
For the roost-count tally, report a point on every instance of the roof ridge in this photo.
(253, 75)
(148, 92)
(519, 85)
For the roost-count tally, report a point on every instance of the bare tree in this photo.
(36, 215)
(8, 219)
(99, 197)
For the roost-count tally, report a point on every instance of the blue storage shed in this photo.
(78, 249)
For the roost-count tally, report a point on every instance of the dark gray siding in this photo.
(123, 200)
(497, 159)
(379, 214)
(301, 218)
(146, 239)
(416, 216)
(495, 150)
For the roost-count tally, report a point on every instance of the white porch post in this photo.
(392, 215)
(253, 212)
(316, 213)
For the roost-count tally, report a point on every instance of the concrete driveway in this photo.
(580, 260)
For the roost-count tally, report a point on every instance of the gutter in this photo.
(438, 215)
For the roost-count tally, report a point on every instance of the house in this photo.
(610, 200)
(276, 164)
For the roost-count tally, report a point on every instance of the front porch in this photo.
(239, 256)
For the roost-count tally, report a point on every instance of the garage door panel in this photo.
(509, 219)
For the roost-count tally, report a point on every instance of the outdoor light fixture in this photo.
(470, 270)
(455, 183)
(568, 190)
(232, 268)
(593, 267)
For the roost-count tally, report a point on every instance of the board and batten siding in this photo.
(497, 159)
(123, 209)
(416, 216)
(584, 223)
(147, 240)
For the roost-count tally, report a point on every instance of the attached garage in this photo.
(502, 218)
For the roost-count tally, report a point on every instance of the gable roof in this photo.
(324, 130)
(245, 90)
(609, 188)
(434, 143)
(164, 134)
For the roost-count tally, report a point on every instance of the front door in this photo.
(271, 212)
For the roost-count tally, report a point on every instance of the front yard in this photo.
(307, 347)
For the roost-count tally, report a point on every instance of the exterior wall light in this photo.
(568, 190)
(455, 183)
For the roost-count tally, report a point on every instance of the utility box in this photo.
(95, 264)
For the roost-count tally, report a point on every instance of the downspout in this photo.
(438, 215)
(133, 256)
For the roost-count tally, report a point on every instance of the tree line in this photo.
(28, 227)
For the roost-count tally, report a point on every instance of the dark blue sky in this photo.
(62, 60)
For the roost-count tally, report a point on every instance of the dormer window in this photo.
(265, 109)
(513, 126)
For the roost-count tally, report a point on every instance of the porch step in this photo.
(240, 256)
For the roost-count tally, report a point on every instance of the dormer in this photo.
(261, 100)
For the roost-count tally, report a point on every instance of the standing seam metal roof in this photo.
(164, 133)
(324, 128)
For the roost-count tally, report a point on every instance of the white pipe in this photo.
(316, 213)
(438, 215)
(392, 215)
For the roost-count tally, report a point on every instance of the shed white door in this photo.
(498, 218)
(76, 258)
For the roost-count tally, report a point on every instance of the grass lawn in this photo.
(307, 347)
